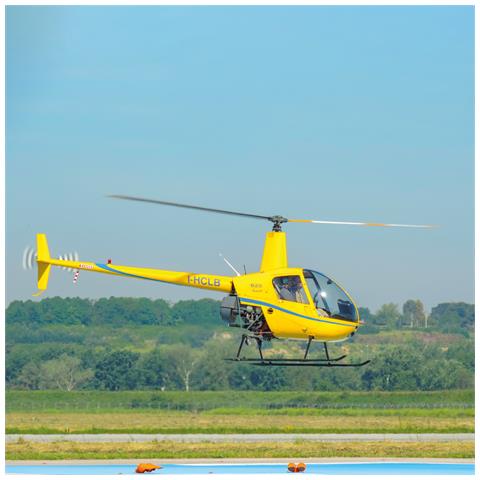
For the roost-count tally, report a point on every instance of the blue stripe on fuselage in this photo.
(294, 313)
(106, 267)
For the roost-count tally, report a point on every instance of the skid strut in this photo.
(259, 345)
(241, 346)
(326, 351)
(310, 338)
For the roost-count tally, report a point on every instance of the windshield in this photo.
(329, 299)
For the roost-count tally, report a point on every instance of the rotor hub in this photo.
(277, 221)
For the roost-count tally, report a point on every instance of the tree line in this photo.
(179, 367)
(112, 311)
(450, 317)
(127, 343)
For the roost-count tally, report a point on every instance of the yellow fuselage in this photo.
(285, 319)
(288, 319)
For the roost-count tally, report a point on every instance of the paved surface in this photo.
(248, 438)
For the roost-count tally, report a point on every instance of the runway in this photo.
(271, 468)
(245, 438)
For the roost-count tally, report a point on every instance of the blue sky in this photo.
(336, 113)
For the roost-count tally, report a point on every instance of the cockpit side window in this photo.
(290, 288)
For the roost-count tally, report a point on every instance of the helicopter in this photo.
(277, 302)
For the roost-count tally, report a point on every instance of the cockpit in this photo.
(329, 299)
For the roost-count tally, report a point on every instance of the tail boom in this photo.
(189, 279)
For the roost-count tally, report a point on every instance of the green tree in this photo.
(463, 352)
(268, 379)
(453, 317)
(409, 310)
(64, 373)
(369, 320)
(414, 314)
(420, 317)
(109, 311)
(388, 315)
(212, 371)
(184, 362)
(15, 359)
(163, 312)
(30, 376)
(117, 371)
(201, 312)
(24, 312)
(156, 370)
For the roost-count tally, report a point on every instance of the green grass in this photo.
(205, 422)
(350, 412)
(299, 449)
(44, 412)
(87, 401)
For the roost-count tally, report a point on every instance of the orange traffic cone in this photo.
(146, 467)
(296, 468)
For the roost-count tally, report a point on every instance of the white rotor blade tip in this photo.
(363, 224)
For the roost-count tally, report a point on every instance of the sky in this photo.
(326, 113)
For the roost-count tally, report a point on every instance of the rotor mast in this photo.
(275, 247)
(274, 251)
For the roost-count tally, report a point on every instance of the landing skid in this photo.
(290, 362)
(286, 360)
(311, 363)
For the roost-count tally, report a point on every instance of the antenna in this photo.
(230, 265)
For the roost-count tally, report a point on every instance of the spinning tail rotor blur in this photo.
(30, 256)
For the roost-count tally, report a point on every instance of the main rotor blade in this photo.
(277, 220)
(193, 207)
(362, 224)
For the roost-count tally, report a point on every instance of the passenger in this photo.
(292, 290)
(298, 291)
(285, 291)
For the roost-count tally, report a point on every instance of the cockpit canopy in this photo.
(329, 299)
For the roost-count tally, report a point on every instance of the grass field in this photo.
(239, 412)
(89, 401)
(298, 449)
(359, 421)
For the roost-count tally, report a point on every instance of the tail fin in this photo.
(43, 262)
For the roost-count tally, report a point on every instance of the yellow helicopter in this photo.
(277, 302)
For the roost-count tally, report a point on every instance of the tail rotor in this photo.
(30, 256)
